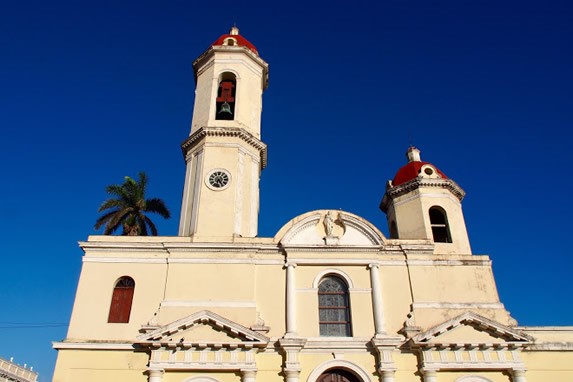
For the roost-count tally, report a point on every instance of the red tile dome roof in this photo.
(241, 41)
(412, 168)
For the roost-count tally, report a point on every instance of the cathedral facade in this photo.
(329, 298)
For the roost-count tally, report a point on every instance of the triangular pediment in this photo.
(471, 329)
(204, 328)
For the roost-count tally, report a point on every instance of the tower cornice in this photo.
(209, 53)
(402, 189)
(233, 132)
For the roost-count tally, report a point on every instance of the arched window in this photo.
(439, 223)
(334, 307)
(226, 97)
(121, 300)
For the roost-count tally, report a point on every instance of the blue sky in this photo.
(93, 91)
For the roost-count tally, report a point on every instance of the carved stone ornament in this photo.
(410, 329)
(333, 228)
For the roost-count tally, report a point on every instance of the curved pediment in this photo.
(329, 227)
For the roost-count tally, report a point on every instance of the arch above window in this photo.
(439, 224)
(332, 272)
(339, 364)
(472, 378)
(334, 307)
(121, 300)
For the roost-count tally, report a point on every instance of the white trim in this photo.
(332, 271)
(180, 261)
(92, 345)
(86, 259)
(228, 261)
(212, 304)
(338, 363)
(201, 379)
(457, 305)
(472, 378)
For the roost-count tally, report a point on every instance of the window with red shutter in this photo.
(120, 307)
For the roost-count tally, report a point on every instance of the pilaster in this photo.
(377, 300)
(155, 375)
(290, 300)
(518, 375)
(248, 375)
(291, 348)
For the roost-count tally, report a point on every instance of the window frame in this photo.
(440, 229)
(344, 326)
(121, 301)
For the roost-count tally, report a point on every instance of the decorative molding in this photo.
(159, 336)
(551, 346)
(234, 132)
(332, 271)
(210, 303)
(93, 345)
(339, 363)
(402, 189)
(457, 305)
(513, 338)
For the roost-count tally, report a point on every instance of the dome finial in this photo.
(234, 30)
(413, 154)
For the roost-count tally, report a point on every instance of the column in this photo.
(155, 375)
(518, 375)
(377, 299)
(248, 375)
(292, 375)
(290, 300)
(430, 376)
(388, 375)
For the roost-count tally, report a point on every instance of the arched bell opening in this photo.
(226, 96)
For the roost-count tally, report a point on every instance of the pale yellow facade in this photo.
(219, 304)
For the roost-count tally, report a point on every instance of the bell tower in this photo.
(421, 202)
(224, 153)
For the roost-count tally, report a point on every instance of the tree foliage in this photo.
(128, 208)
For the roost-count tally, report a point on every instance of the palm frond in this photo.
(104, 218)
(157, 206)
(110, 203)
(127, 208)
(151, 226)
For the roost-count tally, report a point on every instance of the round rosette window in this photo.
(218, 179)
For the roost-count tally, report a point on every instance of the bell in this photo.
(225, 108)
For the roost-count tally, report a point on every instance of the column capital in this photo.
(155, 372)
(518, 372)
(290, 264)
(248, 373)
(373, 265)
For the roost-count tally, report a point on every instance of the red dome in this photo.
(410, 171)
(241, 41)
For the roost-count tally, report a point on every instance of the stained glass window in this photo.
(334, 307)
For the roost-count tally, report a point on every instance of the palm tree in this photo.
(128, 207)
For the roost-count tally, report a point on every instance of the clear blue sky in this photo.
(93, 91)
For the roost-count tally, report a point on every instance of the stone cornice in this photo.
(209, 53)
(394, 192)
(235, 132)
(95, 345)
